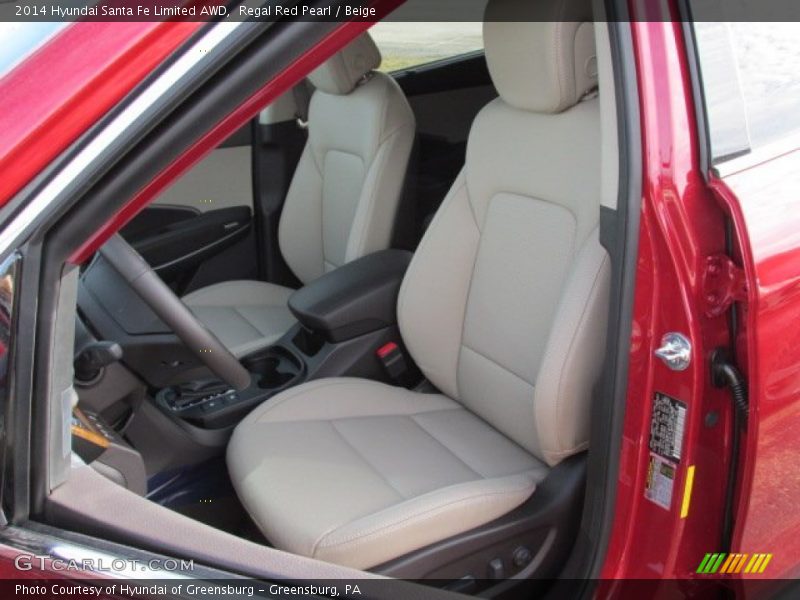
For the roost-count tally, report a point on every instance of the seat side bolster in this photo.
(300, 225)
(432, 303)
(375, 216)
(421, 521)
(570, 367)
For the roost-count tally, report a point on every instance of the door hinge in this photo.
(723, 284)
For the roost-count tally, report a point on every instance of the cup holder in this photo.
(275, 368)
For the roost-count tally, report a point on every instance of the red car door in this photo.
(718, 270)
(752, 91)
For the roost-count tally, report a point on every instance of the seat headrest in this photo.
(541, 53)
(341, 72)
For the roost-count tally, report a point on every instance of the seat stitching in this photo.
(470, 286)
(365, 459)
(327, 152)
(424, 243)
(258, 330)
(413, 417)
(442, 444)
(434, 510)
(275, 402)
(494, 362)
(347, 442)
(581, 322)
(521, 472)
(371, 201)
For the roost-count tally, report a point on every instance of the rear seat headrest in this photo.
(541, 53)
(341, 73)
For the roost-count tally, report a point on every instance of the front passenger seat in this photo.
(504, 310)
(342, 201)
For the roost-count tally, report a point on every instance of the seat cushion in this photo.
(246, 316)
(357, 472)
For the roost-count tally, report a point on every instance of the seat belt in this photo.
(302, 99)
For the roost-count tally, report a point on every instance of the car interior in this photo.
(365, 334)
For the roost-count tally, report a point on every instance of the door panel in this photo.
(185, 244)
(200, 230)
(221, 180)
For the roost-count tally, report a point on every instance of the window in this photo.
(408, 44)
(751, 84)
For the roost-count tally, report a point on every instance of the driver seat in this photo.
(342, 202)
(504, 310)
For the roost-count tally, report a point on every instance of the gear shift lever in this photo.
(197, 392)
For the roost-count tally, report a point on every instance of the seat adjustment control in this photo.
(496, 569)
(522, 557)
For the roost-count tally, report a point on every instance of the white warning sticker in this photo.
(660, 481)
(667, 427)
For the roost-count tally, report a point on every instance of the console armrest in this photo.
(355, 299)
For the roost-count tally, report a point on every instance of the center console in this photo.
(346, 321)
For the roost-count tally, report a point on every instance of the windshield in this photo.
(21, 39)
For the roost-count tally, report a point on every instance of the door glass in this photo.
(751, 84)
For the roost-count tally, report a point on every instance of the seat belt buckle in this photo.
(394, 362)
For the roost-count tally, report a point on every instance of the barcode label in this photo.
(667, 427)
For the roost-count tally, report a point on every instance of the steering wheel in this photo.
(168, 307)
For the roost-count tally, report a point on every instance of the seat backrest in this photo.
(343, 199)
(504, 305)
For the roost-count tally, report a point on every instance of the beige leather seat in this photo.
(504, 310)
(343, 199)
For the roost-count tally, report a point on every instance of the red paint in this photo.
(234, 121)
(680, 234)
(55, 95)
(724, 283)
(680, 231)
(303, 65)
(681, 226)
(766, 205)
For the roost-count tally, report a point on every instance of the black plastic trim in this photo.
(456, 73)
(608, 414)
(698, 91)
(355, 299)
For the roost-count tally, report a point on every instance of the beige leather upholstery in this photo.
(244, 315)
(357, 472)
(517, 230)
(504, 310)
(343, 199)
(342, 73)
(559, 34)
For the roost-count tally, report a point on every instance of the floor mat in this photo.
(204, 492)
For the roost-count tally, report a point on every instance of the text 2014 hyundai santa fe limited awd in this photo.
(497, 298)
